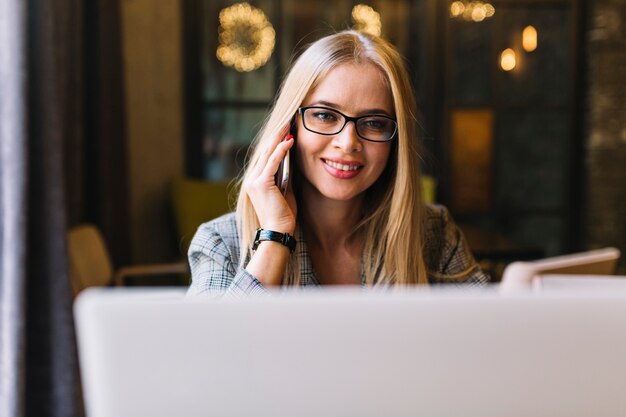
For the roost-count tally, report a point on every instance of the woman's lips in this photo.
(342, 169)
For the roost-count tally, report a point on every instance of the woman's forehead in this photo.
(353, 86)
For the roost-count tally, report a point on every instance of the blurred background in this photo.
(122, 123)
(523, 121)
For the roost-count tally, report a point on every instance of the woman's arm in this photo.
(275, 212)
(214, 261)
(447, 253)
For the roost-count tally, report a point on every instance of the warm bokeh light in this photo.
(457, 8)
(478, 14)
(508, 59)
(366, 19)
(489, 10)
(246, 37)
(476, 11)
(529, 38)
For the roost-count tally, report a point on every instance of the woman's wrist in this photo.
(289, 228)
(268, 263)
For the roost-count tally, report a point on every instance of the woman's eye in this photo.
(325, 116)
(374, 124)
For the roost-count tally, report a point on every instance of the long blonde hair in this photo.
(391, 225)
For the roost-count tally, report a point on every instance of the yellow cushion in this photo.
(195, 202)
(429, 188)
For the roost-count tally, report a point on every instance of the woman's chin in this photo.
(329, 191)
(339, 194)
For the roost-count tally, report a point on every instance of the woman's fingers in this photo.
(276, 157)
(271, 146)
(272, 209)
(263, 178)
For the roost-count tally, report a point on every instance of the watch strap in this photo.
(269, 235)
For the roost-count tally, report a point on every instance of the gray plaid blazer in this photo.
(214, 257)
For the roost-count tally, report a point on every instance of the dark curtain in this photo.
(48, 151)
(105, 187)
(13, 201)
(39, 367)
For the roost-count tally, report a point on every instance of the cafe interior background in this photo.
(134, 115)
(522, 114)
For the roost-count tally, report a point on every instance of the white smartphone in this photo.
(284, 169)
(282, 175)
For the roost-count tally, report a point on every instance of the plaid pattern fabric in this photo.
(214, 257)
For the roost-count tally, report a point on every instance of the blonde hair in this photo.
(391, 226)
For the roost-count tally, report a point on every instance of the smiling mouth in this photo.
(342, 167)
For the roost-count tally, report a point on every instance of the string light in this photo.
(366, 19)
(246, 37)
(476, 11)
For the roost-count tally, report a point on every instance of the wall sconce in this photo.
(366, 19)
(529, 38)
(508, 59)
(246, 37)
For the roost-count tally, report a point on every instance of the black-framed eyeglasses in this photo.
(327, 121)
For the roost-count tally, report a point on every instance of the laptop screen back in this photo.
(352, 353)
(520, 275)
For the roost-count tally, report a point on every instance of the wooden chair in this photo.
(90, 263)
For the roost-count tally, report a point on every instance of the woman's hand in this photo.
(275, 211)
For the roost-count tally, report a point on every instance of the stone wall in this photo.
(605, 200)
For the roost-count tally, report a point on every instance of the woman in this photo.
(352, 213)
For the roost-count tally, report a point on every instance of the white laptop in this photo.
(530, 275)
(353, 353)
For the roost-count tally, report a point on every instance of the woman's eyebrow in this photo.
(325, 104)
(338, 107)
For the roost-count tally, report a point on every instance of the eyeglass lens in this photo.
(329, 122)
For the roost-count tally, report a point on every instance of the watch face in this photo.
(270, 235)
(256, 241)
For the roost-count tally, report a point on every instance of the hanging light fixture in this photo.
(246, 37)
(529, 38)
(508, 61)
(476, 11)
(366, 19)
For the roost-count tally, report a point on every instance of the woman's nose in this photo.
(348, 140)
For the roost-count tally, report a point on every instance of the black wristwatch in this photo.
(283, 238)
